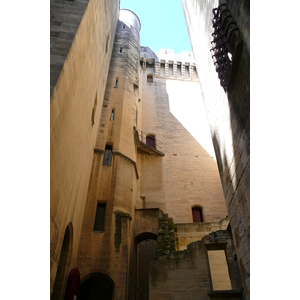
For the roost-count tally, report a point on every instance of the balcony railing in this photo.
(149, 143)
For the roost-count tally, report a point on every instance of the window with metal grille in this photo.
(100, 217)
(107, 155)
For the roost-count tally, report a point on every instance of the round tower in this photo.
(109, 212)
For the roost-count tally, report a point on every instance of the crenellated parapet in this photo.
(167, 64)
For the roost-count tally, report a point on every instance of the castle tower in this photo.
(105, 244)
(81, 43)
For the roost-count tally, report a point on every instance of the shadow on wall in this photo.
(170, 96)
(159, 176)
(145, 249)
(96, 284)
(235, 169)
(232, 147)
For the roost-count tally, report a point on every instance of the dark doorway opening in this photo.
(97, 286)
(150, 141)
(73, 285)
(145, 250)
(64, 260)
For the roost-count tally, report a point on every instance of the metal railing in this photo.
(149, 139)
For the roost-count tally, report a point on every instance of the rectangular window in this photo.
(117, 79)
(112, 116)
(100, 217)
(136, 117)
(107, 155)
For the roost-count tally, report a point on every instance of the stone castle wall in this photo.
(105, 91)
(108, 252)
(188, 274)
(82, 62)
(186, 175)
(228, 116)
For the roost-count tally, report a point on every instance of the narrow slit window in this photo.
(120, 51)
(93, 116)
(94, 110)
(107, 155)
(123, 26)
(112, 116)
(117, 80)
(100, 217)
(107, 40)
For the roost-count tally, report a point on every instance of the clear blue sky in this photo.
(163, 23)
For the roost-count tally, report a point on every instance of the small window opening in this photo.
(93, 116)
(112, 116)
(197, 214)
(107, 155)
(116, 85)
(149, 78)
(123, 26)
(120, 51)
(94, 110)
(100, 217)
(107, 40)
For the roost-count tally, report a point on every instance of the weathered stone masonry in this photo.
(228, 116)
(117, 149)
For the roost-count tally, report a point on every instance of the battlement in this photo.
(168, 64)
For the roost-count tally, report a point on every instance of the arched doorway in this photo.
(64, 260)
(97, 286)
(73, 285)
(145, 252)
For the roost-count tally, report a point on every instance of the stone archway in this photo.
(63, 263)
(145, 253)
(97, 286)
